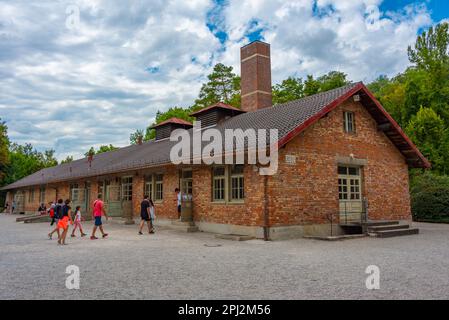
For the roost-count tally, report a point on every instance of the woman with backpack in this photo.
(63, 223)
(55, 219)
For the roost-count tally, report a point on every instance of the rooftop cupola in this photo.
(165, 128)
(215, 114)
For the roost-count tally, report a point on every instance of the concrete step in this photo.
(394, 233)
(234, 237)
(25, 217)
(183, 223)
(184, 228)
(388, 227)
(37, 219)
(373, 223)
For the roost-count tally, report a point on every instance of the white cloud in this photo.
(70, 89)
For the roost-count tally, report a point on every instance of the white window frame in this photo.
(349, 121)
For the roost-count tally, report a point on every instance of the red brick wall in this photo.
(306, 192)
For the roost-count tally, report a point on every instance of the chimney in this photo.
(256, 76)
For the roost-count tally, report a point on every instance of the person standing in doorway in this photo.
(13, 207)
(57, 214)
(145, 214)
(63, 223)
(178, 201)
(97, 213)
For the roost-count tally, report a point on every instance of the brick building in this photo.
(340, 152)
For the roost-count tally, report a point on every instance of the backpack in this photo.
(58, 211)
(52, 212)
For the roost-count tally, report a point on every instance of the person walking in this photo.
(98, 211)
(178, 201)
(63, 223)
(57, 214)
(145, 214)
(77, 222)
(152, 215)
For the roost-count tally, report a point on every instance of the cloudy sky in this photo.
(75, 74)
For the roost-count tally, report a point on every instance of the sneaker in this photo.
(49, 236)
(140, 232)
(105, 235)
(93, 238)
(83, 235)
(152, 231)
(72, 235)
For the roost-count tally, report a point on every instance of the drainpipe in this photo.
(266, 212)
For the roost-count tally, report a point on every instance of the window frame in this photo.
(126, 188)
(42, 192)
(349, 124)
(228, 178)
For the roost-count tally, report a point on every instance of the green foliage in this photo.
(67, 160)
(136, 135)
(222, 86)
(429, 196)
(288, 90)
(102, 149)
(25, 160)
(4, 152)
(428, 131)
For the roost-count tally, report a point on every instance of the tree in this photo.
(329, 81)
(136, 136)
(25, 160)
(102, 149)
(222, 86)
(174, 112)
(431, 49)
(67, 160)
(4, 153)
(288, 90)
(428, 131)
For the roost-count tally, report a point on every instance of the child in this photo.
(77, 222)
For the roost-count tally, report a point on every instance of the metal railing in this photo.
(347, 216)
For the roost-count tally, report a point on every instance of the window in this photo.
(74, 192)
(148, 187)
(228, 183)
(218, 183)
(159, 190)
(127, 188)
(349, 122)
(42, 195)
(31, 195)
(237, 187)
(186, 181)
(100, 190)
(349, 183)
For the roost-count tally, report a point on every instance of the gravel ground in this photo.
(174, 265)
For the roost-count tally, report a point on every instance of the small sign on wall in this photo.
(290, 159)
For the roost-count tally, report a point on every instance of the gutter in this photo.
(266, 211)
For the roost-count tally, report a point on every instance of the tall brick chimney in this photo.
(256, 76)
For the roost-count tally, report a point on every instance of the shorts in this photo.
(179, 208)
(145, 217)
(98, 221)
(63, 223)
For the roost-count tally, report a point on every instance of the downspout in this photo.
(266, 212)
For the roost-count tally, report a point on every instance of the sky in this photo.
(76, 74)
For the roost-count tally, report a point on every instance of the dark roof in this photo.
(219, 105)
(289, 118)
(174, 121)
